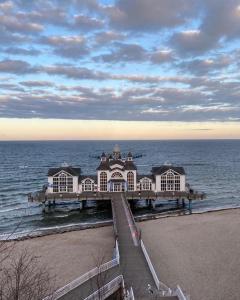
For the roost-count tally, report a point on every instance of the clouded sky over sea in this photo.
(171, 67)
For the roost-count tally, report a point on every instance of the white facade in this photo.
(170, 181)
(116, 175)
(63, 182)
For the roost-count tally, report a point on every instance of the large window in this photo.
(103, 181)
(130, 181)
(87, 185)
(62, 183)
(170, 182)
(145, 184)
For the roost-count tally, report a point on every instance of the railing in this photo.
(179, 293)
(85, 277)
(114, 221)
(131, 221)
(160, 285)
(131, 294)
(107, 290)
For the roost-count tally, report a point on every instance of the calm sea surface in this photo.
(211, 166)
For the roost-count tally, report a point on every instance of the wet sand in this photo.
(69, 255)
(199, 252)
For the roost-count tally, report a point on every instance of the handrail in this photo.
(85, 277)
(114, 221)
(160, 285)
(130, 217)
(131, 294)
(107, 290)
(179, 293)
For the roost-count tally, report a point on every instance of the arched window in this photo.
(88, 185)
(170, 182)
(62, 183)
(146, 184)
(116, 174)
(130, 181)
(103, 181)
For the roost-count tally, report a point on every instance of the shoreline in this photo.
(25, 235)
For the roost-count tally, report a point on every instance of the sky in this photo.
(126, 69)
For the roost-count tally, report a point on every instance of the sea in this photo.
(212, 166)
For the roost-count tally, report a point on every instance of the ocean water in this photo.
(212, 166)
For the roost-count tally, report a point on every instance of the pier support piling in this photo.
(84, 203)
(190, 206)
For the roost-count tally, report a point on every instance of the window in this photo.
(117, 174)
(103, 181)
(130, 181)
(145, 184)
(88, 185)
(62, 183)
(170, 182)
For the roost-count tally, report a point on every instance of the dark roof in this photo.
(116, 162)
(71, 170)
(162, 169)
(129, 165)
(103, 154)
(93, 177)
(104, 165)
(150, 176)
(129, 154)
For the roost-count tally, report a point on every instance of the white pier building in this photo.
(116, 174)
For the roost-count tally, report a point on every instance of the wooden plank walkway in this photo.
(133, 265)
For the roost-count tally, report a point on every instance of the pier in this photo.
(183, 200)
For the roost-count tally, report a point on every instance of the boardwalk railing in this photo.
(131, 221)
(107, 290)
(85, 277)
(160, 285)
(131, 295)
(179, 293)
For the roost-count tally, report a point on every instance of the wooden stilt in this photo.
(183, 203)
(190, 206)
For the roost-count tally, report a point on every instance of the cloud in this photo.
(16, 67)
(106, 37)
(162, 56)
(14, 24)
(37, 83)
(151, 15)
(206, 66)
(85, 23)
(67, 46)
(22, 51)
(124, 53)
(74, 72)
(219, 23)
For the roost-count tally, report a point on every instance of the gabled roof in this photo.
(70, 170)
(162, 169)
(150, 176)
(129, 165)
(113, 162)
(126, 165)
(104, 165)
(83, 177)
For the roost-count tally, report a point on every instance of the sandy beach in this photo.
(199, 252)
(69, 255)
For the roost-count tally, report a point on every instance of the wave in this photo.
(52, 230)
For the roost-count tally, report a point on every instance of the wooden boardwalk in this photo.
(133, 265)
